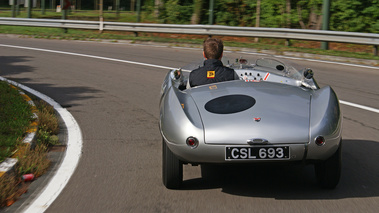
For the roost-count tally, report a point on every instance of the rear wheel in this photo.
(172, 168)
(328, 172)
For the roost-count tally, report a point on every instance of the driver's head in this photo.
(213, 48)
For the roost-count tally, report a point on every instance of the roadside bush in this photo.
(8, 188)
(33, 161)
(48, 124)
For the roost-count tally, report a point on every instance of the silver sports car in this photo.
(273, 113)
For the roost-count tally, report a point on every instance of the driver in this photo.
(213, 70)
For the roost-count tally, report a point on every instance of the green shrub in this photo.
(33, 161)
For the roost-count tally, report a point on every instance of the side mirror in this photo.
(178, 73)
(308, 73)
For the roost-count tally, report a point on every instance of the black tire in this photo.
(328, 172)
(172, 168)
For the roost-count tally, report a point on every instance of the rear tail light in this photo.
(192, 142)
(320, 141)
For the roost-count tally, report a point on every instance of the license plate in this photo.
(250, 153)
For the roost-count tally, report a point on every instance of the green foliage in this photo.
(227, 13)
(45, 137)
(48, 126)
(272, 13)
(346, 15)
(355, 15)
(177, 11)
(34, 161)
(47, 119)
(15, 117)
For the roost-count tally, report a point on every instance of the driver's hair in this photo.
(213, 48)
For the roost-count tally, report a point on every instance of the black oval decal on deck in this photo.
(230, 104)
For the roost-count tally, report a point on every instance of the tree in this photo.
(355, 15)
(288, 13)
(257, 22)
(158, 4)
(346, 15)
(309, 12)
(196, 16)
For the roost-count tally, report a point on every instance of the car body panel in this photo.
(287, 110)
(279, 124)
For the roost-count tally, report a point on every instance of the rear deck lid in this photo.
(236, 111)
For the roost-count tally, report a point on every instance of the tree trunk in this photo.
(319, 23)
(132, 5)
(157, 6)
(312, 19)
(196, 15)
(288, 11)
(258, 18)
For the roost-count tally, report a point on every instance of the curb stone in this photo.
(9, 163)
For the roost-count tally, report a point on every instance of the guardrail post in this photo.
(375, 50)
(288, 42)
(101, 24)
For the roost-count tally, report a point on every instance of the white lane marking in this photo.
(360, 106)
(70, 160)
(164, 67)
(60, 180)
(314, 60)
(88, 56)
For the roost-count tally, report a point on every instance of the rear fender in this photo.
(326, 121)
(179, 118)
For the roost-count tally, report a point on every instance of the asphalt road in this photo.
(116, 106)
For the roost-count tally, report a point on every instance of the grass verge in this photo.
(90, 15)
(30, 160)
(15, 117)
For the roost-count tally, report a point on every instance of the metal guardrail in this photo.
(282, 33)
